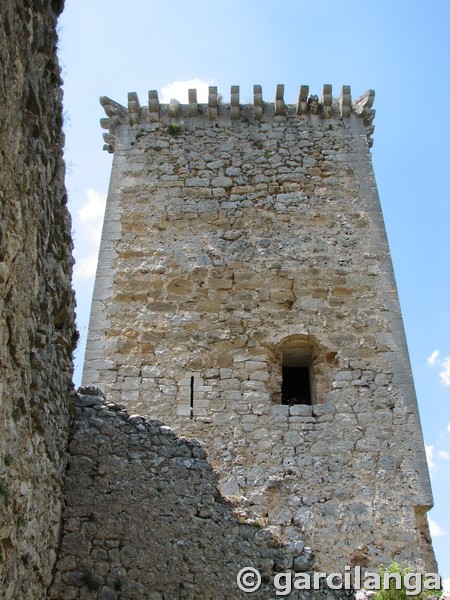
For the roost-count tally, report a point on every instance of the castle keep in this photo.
(245, 297)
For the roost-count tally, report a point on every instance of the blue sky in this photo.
(400, 48)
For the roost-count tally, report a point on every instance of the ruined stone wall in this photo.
(144, 520)
(232, 233)
(36, 300)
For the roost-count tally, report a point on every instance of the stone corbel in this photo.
(153, 106)
(112, 108)
(110, 137)
(313, 105)
(302, 104)
(193, 105)
(258, 102)
(327, 100)
(110, 142)
(134, 108)
(362, 105)
(174, 109)
(212, 102)
(234, 104)
(369, 126)
(280, 108)
(345, 101)
(116, 115)
(107, 123)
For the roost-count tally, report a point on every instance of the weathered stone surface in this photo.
(155, 526)
(36, 301)
(293, 247)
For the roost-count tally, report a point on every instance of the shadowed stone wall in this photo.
(144, 520)
(36, 300)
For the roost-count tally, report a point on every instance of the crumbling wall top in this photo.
(215, 112)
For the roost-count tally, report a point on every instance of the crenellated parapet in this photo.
(215, 112)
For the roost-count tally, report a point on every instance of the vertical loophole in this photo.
(191, 410)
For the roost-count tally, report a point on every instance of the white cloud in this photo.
(448, 427)
(179, 90)
(446, 585)
(433, 358)
(85, 267)
(88, 229)
(435, 529)
(444, 375)
(429, 453)
(90, 215)
(444, 454)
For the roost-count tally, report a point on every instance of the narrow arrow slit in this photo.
(191, 411)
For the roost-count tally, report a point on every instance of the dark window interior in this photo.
(296, 387)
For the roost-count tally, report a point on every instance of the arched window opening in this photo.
(296, 385)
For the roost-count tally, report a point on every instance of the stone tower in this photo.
(245, 296)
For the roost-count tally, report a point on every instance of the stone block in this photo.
(152, 371)
(222, 182)
(300, 410)
(259, 376)
(196, 182)
(280, 409)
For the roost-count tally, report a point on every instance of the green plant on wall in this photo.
(4, 491)
(20, 521)
(399, 581)
(174, 128)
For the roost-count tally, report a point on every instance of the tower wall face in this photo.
(227, 246)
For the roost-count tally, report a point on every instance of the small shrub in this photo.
(8, 460)
(410, 582)
(174, 128)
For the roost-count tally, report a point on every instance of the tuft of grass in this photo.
(8, 460)
(174, 128)
(4, 491)
(20, 521)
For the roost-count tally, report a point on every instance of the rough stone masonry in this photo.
(144, 519)
(245, 296)
(37, 332)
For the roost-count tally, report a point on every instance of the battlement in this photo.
(216, 113)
